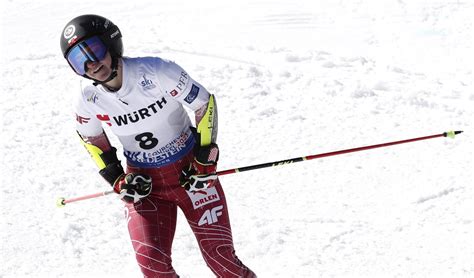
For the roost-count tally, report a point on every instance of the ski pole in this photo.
(61, 202)
(450, 134)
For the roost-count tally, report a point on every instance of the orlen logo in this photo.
(203, 197)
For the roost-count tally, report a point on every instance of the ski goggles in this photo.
(89, 50)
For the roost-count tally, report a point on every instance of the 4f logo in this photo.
(82, 120)
(210, 216)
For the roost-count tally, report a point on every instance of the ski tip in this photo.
(452, 134)
(60, 202)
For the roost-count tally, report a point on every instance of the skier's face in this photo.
(100, 70)
(88, 50)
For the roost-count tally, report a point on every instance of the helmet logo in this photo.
(114, 34)
(69, 31)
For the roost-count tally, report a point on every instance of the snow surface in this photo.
(292, 78)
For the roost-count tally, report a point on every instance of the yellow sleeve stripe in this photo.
(95, 153)
(206, 125)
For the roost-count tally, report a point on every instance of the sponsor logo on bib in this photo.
(147, 84)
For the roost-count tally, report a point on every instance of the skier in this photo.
(170, 164)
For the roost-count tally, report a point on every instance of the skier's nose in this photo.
(91, 64)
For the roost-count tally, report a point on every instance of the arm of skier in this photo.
(131, 187)
(201, 173)
(176, 82)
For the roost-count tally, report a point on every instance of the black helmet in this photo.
(89, 25)
(84, 30)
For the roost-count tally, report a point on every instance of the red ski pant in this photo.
(152, 223)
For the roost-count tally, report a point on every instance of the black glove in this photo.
(133, 187)
(201, 172)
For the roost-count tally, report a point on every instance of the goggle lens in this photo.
(89, 50)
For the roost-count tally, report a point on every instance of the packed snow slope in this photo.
(291, 79)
